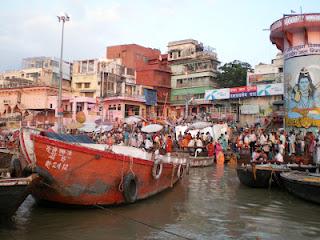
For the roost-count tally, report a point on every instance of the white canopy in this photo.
(132, 119)
(88, 127)
(152, 128)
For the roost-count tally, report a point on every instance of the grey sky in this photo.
(234, 28)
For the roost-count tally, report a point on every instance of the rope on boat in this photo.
(120, 187)
(143, 223)
(131, 166)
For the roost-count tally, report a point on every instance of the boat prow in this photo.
(303, 185)
(13, 192)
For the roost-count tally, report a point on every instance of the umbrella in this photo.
(199, 125)
(132, 119)
(103, 128)
(151, 128)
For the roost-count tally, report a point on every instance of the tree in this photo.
(233, 74)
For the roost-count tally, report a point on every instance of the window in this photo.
(112, 107)
(78, 85)
(280, 70)
(50, 105)
(84, 67)
(130, 71)
(119, 107)
(86, 85)
(91, 66)
(79, 107)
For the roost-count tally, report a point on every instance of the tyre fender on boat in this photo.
(15, 167)
(157, 169)
(130, 188)
(180, 171)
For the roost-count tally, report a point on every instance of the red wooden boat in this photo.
(87, 174)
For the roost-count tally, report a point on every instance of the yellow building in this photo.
(95, 77)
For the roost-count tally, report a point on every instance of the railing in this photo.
(122, 95)
(294, 19)
(21, 85)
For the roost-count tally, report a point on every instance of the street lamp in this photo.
(62, 18)
(103, 66)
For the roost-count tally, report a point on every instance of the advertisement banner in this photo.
(223, 93)
(242, 92)
(302, 95)
(270, 89)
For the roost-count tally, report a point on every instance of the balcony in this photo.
(126, 97)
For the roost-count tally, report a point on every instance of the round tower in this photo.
(298, 37)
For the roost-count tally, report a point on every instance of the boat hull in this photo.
(302, 185)
(260, 180)
(13, 192)
(77, 175)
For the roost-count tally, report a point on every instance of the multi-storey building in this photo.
(40, 70)
(90, 76)
(152, 77)
(194, 70)
(155, 79)
(109, 81)
(267, 73)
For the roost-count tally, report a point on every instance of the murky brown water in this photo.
(208, 204)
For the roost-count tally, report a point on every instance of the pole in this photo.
(62, 19)
(60, 113)
(102, 91)
(164, 106)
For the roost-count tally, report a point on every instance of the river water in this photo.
(209, 203)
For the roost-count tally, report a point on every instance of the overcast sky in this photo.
(235, 28)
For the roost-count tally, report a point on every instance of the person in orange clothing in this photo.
(210, 149)
(169, 144)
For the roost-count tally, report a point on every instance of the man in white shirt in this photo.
(282, 138)
(148, 144)
(279, 157)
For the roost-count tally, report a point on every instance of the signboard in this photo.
(302, 50)
(249, 109)
(150, 96)
(270, 89)
(242, 92)
(223, 93)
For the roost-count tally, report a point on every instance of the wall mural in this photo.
(302, 92)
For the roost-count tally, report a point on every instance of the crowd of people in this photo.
(165, 141)
(275, 145)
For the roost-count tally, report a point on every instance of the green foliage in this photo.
(233, 74)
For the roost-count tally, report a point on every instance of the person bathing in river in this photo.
(219, 153)
(210, 148)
